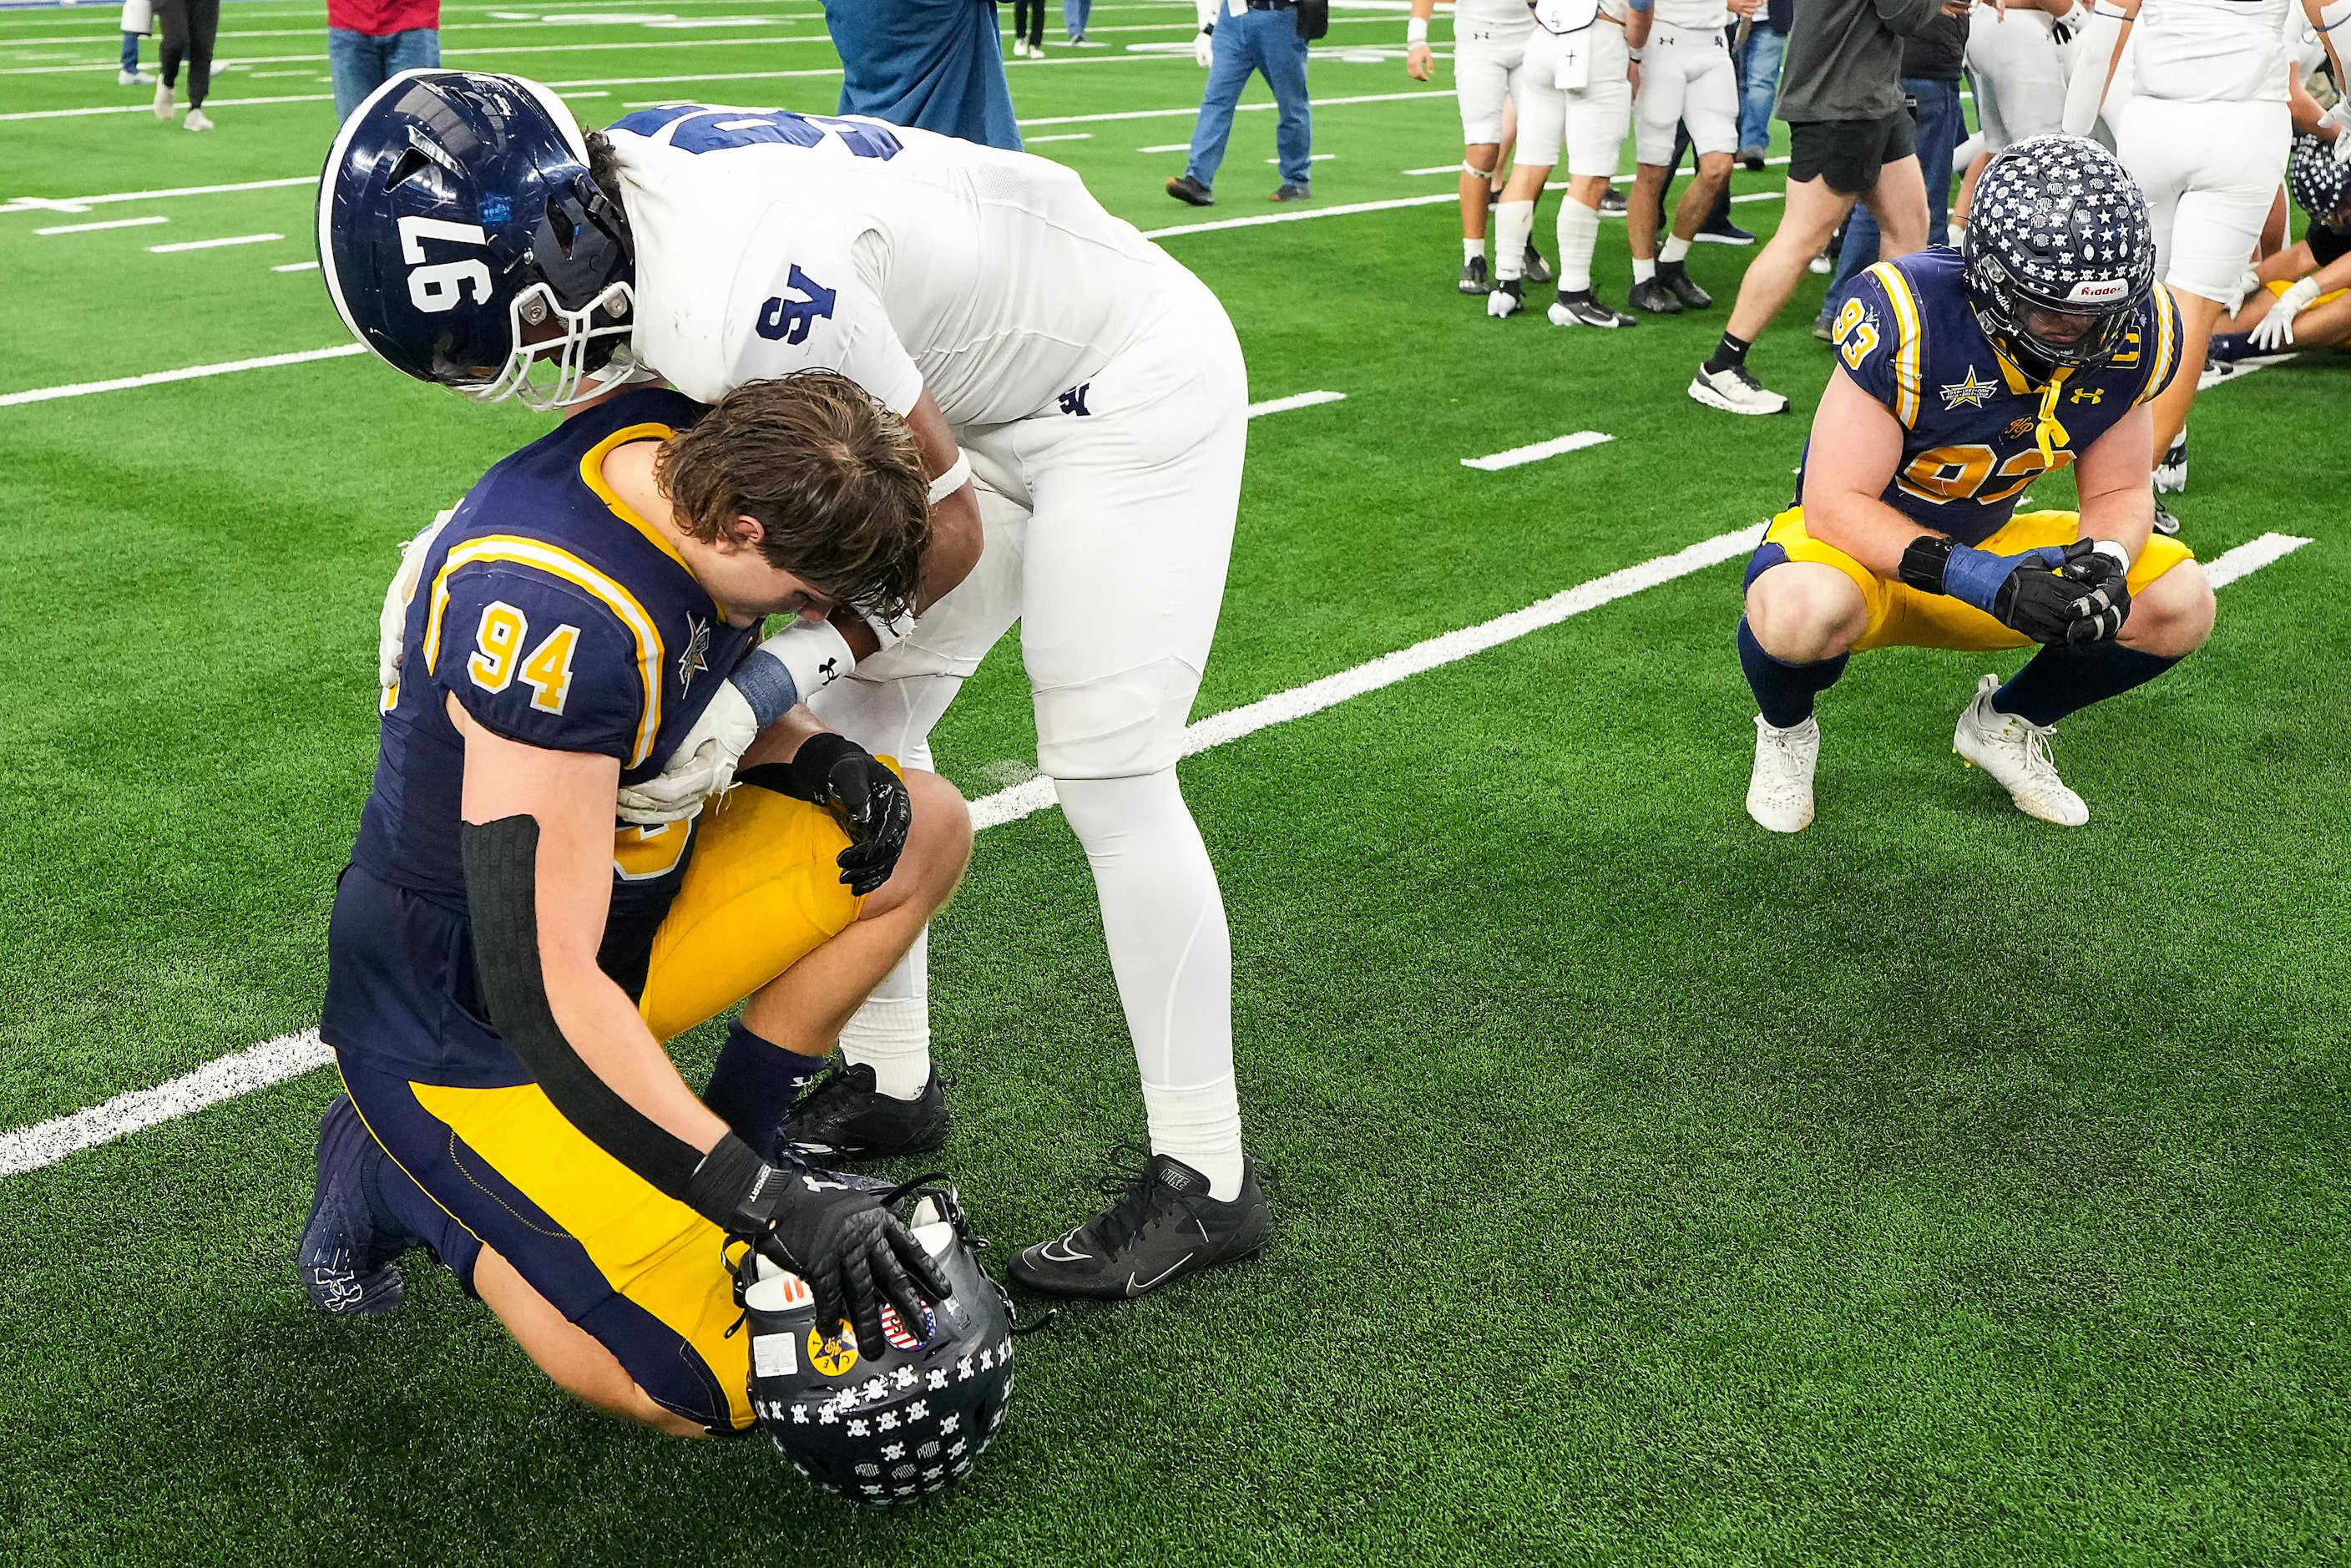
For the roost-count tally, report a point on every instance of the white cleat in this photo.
(1508, 299)
(1780, 792)
(198, 120)
(2171, 474)
(163, 102)
(1735, 391)
(2015, 752)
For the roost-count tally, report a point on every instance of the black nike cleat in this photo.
(2165, 523)
(1538, 271)
(347, 1260)
(1164, 1227)
(842, 1116)
(1473, 276)
(1676, 276)
(1612, 201)
(1582, 308)
(1653, 296)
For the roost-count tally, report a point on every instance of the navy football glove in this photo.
(2024, 592)
(853, 1252)
(865, 798)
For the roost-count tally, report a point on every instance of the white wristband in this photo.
(1415, 31)
(2113, 550)
(813, 653)
(957, 476)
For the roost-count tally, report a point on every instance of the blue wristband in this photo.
(766, 685)
(1976, 576)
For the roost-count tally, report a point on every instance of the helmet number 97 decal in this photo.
(437, 288)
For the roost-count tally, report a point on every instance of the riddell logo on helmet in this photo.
(2097, 291)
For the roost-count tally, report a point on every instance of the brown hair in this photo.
(833, 476)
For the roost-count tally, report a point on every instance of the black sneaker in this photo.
(1652, 295)
(346, 1260)
(2165, 523)
(1724, 232)
(1538, 271)
(1676, 276)
(1473, 276)
(1612, 201)
(842, 1116)
(1164, 1227)
(1582, 308)
(1290, 192)
(1508, 298)
(1185, 188)
(1751, 158)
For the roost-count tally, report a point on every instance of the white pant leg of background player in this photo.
(1542, 120)
(1657, 108)
(2210, 172)
(1130, 534)
(1482, 62)
(1597, 118)
(889, 706)
(2020, 82)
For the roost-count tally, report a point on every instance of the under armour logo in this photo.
(829, 669)
(1074, 400)
(2089, 394)
(789, 319)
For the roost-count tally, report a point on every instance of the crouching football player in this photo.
(1961, 381)
(504, 960)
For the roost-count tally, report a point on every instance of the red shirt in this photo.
(381, 19)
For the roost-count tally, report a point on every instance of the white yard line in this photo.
(1069, 136)
(2238, 370)
(211, 244)
(295, 266)
(1299, 400)
(1517, 456)
(1341, 211)
(1194, 108)
(83, 204)
(193, 373)
(112, 224)
(2250, 557)
(1162, 147)
(223, 1078)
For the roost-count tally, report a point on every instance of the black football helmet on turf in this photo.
(893, 1422)
(2058, 236)
(2320, 182)
(457, 219)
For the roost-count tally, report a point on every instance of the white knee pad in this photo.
(1116, 727)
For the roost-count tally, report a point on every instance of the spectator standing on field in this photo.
(369, 42)
(189, 28)
(1073, 17)
(1759, 78)
(1931, 58)
(1237, 37)
(1028, 28)
(937, 65)
(138, 19)
(1849, 139)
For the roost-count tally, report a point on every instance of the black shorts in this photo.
(1848, 153)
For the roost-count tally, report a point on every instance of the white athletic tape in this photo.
(272, 1062)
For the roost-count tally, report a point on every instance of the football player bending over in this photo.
(2301, 297)
(1027, 337)
(1962, 380)
(504, 964)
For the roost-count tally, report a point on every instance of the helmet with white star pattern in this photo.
(2059, 254)
(893, 1422)
(2320, 182)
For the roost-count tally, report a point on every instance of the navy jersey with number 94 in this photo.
(1972, 422)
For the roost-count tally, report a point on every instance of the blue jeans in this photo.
(130, 52)
(1758, 85)
(363, 62)
(1264, 41)
(1941, 129)
(1073, 16)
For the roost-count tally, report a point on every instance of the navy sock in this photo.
(1728, 352)
(755, 1083)
(2062, 681)
(1784, 692)
(403, 1208)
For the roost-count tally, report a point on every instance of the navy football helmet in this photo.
(463, 240)
(2320, 182)
(2059, 254)
(893, 1422)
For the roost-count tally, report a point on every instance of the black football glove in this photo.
(2108, 582)
(2026, 592)
(865, 798)
(854, 1253)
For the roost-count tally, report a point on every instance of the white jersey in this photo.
(1692, 13)
(769, 242)
(2216, 51)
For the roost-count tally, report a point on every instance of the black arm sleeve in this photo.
(502, 896)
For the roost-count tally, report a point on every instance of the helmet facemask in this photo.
(579, 240)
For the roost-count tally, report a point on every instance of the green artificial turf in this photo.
(1934, 1187)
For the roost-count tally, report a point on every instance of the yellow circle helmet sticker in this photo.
(832, 1354)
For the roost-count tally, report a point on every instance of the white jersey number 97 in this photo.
(438, 287)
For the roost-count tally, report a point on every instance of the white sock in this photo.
(1514, 222)
(1644, 270)
(1579, 231)
(891, 1033)
(1163, 920)
(1472, 250)
(1676, 248)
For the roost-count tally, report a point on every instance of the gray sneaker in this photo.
(1290, 193)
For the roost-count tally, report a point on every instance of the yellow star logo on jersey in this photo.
(1969, 391)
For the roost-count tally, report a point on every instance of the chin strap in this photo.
(2047, 432)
